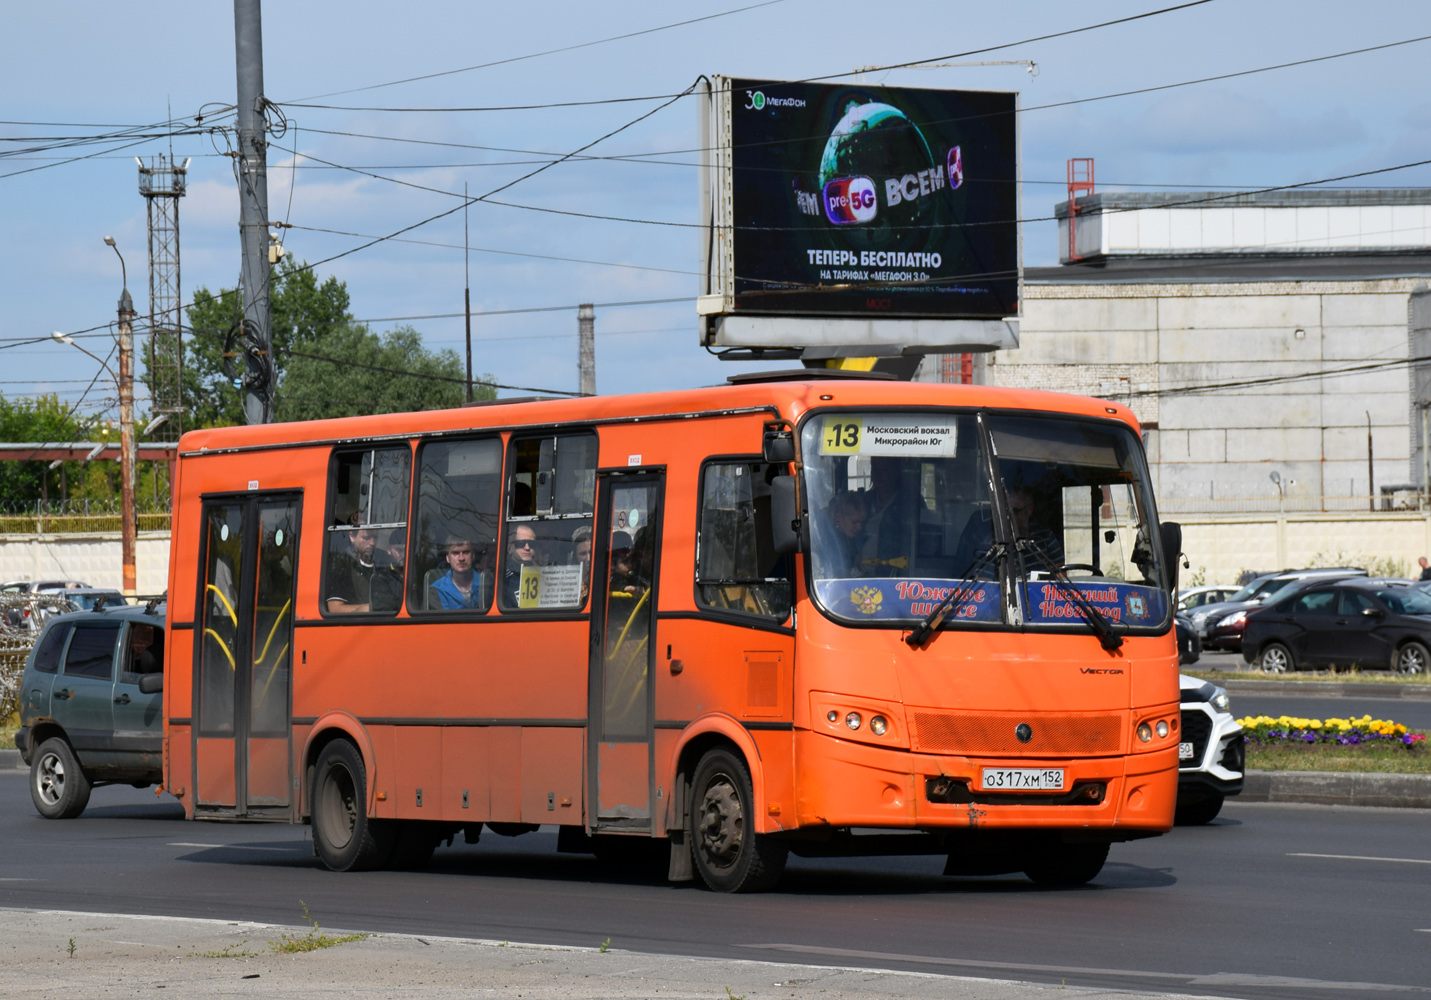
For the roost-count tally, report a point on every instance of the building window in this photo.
(367, 531)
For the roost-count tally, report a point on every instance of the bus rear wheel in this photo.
(1065, 864)
(729, 855)
(345, 838)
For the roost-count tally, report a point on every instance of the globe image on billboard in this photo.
(877, 156)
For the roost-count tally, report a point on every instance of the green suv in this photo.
(91, 706)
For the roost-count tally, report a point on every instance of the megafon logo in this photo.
(850, 199)
(754, 100)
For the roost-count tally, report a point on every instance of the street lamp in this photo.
(124, 381)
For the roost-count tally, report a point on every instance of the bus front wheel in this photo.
(345, 838)
(1065, 864)
(729, 855)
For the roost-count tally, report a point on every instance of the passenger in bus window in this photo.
(362, 579)
(846, 514)
(624, 578)
(460, 588)
(887, 545)
(581, 556)
(521, 551)
(1031, 529)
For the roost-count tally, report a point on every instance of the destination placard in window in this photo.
(550, 587)
(913, 435)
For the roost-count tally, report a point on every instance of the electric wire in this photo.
(545, 52)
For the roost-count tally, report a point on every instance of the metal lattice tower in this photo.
(162, 185)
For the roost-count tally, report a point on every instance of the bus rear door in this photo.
(243, 662)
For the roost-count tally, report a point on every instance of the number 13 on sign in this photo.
(842, 436)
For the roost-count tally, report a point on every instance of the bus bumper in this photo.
(846, 784)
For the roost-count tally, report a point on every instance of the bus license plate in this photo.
(1037, 779)
(1185, 751)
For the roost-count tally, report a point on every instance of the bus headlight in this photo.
(853, 720)
(1145, 732)
(1162, 728)
(832, 715)
(878, 725)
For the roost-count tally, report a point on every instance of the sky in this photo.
(87, 65)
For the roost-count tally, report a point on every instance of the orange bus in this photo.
(797, 613)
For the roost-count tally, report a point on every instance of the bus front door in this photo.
(243, 663)
(620, 766)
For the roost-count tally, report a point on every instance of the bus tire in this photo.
(344, 837)
(58, 784)
(1065, 864)
(729, 855)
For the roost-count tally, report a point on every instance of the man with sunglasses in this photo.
(521, 551)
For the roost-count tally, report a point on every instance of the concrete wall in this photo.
(1165, 348)
(1222, 547)
(93, 558)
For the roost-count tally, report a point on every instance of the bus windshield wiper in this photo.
(956, 598)
(1057, 573)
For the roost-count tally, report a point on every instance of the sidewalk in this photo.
(1327, 689)
(119, 955)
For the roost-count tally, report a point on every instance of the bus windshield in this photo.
(907, 507)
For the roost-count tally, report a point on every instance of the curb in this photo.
(1329, 689)
(1331, 788)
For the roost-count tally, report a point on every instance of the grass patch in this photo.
(227, 952)
(1331, 757)
(7, 737)
(292, 944)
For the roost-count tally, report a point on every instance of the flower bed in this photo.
(1264, 729)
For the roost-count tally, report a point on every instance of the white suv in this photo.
(1211, 754)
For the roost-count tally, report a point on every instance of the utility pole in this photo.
(257, 327)
(586, 357)
(467, 289)
(127, 451)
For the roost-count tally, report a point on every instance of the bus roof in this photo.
(784, 399)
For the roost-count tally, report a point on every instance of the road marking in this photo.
(1190, 978)
(1363, 857)
(19, 880)
(236, 847)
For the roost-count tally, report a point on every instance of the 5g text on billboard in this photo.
(848, 200)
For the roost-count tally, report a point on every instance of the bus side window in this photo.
(546, 539)
(367, 531)
(736, 565)
(454, 552)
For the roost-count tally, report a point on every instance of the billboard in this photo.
(855, 200)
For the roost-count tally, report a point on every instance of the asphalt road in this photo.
(1414, 715)
(1269, 901)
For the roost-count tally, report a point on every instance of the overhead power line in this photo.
(545, 52)
(345, 363)
(808, 79)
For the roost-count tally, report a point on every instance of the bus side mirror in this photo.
(779, 448)
(151, 684)
(1172, 539)
(785, 526)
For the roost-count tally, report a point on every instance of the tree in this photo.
(311, 322)
(38, 419)
(355, 371)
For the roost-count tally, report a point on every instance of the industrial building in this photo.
(1274, 344)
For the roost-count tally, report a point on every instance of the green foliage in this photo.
(355, 371)
(290, 944)
(604, 945)
(228, 951)
(1196, 578)
(40, 418)
(311, 322)
(1374, 565)
(72, 948)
